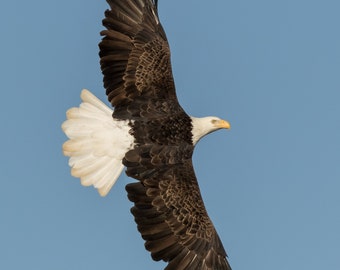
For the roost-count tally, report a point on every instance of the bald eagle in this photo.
(150, 135)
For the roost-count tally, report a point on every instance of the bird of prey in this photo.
(150, 135)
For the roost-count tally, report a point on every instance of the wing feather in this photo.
(169, 210)
(135, 55)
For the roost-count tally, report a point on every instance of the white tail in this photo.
(97, 143)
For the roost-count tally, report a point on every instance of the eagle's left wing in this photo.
(169, 209)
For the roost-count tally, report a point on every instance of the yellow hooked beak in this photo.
(222, 124)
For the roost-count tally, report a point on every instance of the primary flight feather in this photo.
(150, 134)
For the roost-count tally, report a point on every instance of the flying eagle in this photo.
(150, 135)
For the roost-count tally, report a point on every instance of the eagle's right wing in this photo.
(134, 54)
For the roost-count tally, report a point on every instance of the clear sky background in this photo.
(271, 184)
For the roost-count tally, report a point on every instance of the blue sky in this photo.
(271, 184)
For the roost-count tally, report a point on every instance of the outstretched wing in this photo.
(134, 54)
(169, 209)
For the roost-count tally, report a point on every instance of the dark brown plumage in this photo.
(168, 208)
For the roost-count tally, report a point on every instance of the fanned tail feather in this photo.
(97, 143)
